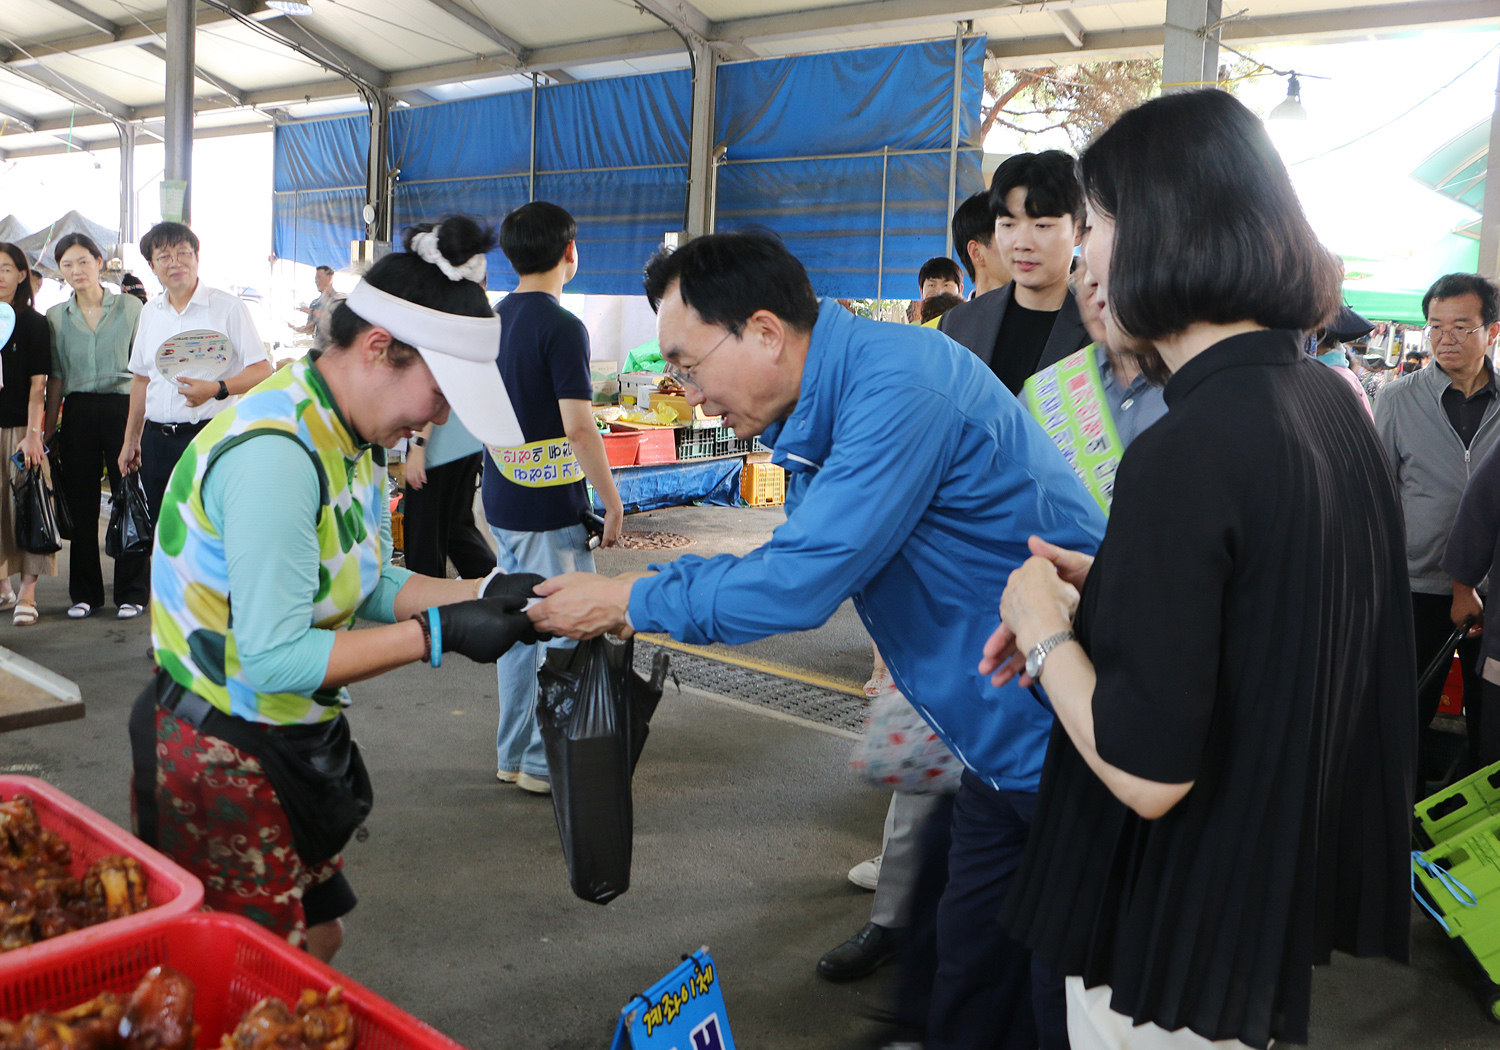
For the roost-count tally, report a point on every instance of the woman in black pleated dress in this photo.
(1226, 793)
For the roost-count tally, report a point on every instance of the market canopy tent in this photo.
(38, 246)
(846, 156)
(76, 72)
(12, 229)
(1457, 168)
(1392, 289)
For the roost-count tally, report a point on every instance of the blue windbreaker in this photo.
(914, 481)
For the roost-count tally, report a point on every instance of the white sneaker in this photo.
(866, 874)
(535, 785)
(506, 776)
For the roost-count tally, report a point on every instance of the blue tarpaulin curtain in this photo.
(783, 121)
(318, 190)
(614, 153)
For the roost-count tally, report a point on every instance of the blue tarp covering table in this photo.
(715, 482)
(814, 144)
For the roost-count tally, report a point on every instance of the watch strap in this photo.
(1038, 655)
(223, 391)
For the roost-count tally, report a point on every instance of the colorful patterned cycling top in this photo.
(190, 612)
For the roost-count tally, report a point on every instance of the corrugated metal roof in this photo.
(86, 63)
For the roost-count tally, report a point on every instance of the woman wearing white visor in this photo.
(245, 772)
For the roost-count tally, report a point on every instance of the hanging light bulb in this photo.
(1291, 107)
(290, 7)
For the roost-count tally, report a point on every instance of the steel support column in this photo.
(1489, 228)
(700, 203)
(378, 180)
(181, 29)
(127, 185)
(1190, 50)
(958, 87)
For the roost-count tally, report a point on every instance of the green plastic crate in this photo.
(1458, 882)
(1459, 807)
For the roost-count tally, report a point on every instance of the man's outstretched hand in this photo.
(583, 605)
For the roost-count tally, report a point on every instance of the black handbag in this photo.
(59, 500)
(130, 526)
(36, 522)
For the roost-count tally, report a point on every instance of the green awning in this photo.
(1457, 169)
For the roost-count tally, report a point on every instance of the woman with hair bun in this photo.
(1227, 792)
(25, 360)
(278, 509)
(88, 401)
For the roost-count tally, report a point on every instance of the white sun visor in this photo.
(460, 352)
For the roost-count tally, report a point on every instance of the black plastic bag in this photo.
(594, 711)
(130, 526)
(36, 522)
(59, 500)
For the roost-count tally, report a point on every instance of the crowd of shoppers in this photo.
(1226, 678)
(1171, 628)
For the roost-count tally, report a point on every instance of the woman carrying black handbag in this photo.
(25, 361)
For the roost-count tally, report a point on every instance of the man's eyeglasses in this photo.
(168, 258)
(685, 376)
(1436, 333)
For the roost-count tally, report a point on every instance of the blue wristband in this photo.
(435, 625)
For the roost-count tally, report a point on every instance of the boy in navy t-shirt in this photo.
(534, 494)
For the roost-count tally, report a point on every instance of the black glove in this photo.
(483, 629)
(515, 588)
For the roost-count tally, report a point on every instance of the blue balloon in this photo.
(7, 322)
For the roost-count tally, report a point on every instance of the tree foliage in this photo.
(1081, 100)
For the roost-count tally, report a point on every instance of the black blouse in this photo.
(1249, 622)
(28, 353)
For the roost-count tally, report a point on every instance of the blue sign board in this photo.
(682, 1011)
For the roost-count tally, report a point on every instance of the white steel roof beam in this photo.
(237, 95)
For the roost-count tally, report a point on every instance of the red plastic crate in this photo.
(171, 889)
(620, 447)
(232, 962)
(657, 446)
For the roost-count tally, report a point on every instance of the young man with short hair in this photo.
(1438, 424)
(166, 414)
(1033, 322)
(974, 237)
(940, 275)
(534, 494)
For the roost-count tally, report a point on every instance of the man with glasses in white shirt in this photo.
(1436, 425)
(166, 414)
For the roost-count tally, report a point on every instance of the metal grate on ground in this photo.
(799, 700)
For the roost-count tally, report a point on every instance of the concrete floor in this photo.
(745, 827)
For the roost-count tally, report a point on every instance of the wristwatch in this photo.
(1038, 654)
(223, 391)
(419, 441)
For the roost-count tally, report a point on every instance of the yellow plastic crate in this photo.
(763, 484)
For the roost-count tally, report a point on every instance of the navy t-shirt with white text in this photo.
(544, 359)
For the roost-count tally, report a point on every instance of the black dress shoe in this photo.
(859, 956)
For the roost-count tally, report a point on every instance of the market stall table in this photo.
(31, 695)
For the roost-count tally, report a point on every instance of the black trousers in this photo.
(1433, 624)
(160, 451)
(439, 522)
(88, 443)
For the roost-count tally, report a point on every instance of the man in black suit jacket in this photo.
(1032, 322)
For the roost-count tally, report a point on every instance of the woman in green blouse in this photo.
(90, 391)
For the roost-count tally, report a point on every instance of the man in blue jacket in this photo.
(914, 481)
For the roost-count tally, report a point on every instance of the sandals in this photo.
(7, 600)
(129, 611)
(80, 611)
(25, 614)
